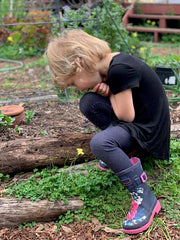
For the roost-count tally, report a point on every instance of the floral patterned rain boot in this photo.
(144, 203)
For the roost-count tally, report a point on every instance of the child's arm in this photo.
(122, 104)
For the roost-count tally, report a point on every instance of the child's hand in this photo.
(102, 89)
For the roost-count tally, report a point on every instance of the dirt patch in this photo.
(54, 118)
(165, 51)
(82, 231)
(51, 119)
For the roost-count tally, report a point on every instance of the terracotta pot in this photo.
(14, 111)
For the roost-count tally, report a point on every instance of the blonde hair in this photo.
(68, 54)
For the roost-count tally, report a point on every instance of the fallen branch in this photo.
(27, 154)
(14, 212)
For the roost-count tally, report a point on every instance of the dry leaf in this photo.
(66, 229)
(40, 228)
(54, 228)
(111, 230)
(3, 231)
(97, 224)
(3, 191)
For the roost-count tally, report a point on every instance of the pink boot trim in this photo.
(156, 210)
(103, 169)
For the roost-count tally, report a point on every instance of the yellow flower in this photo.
(80, 151)
(153, 23)
(148, 21)
(134, 34)
(142, 49)
(133, 47)
(10, 39)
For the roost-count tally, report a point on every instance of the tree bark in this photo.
(14, 212)
(27, 154)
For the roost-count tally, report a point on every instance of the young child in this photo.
(127, 102)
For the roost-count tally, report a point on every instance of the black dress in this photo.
(151, 126)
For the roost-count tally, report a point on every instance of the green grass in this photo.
(103, 195)
(42, 62)
(166, 45)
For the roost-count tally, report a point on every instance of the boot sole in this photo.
(156, 210)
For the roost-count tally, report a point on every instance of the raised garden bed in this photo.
(167, 15)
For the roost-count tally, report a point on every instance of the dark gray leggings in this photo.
(113, 144)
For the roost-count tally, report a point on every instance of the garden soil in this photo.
(53, 118)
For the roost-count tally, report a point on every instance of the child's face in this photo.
(85, 80)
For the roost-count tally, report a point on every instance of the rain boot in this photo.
(144, 203)
(104, 167)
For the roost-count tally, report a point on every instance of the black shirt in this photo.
(151, 126)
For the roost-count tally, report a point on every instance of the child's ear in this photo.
(77, 63)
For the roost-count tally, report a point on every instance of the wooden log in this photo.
(14, 212)
(26, 154)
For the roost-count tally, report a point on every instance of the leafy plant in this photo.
(172, 60)
(17, 129)
(103, 21)
(5, 121)
(25, 225)
(40, 62)
(28, 116)
(43, 132)
(172, 38)
(29, 38)
(17, 8)
(4, 177)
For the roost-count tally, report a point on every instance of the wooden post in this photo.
(156, 37)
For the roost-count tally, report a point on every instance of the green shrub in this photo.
(27, 40)
(105, 22)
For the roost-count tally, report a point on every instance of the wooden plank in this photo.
(145, 29)
(154, 16)
(156, 31)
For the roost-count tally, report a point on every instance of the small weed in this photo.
(25, 225)
(159, 224)
(69, 218)
(4, 177)
(28, 116)
(8, 84)
(5, 121)
(17, 129)
(42, 62)
(43, 132)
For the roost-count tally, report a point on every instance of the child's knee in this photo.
(95, 144)
(99, 144)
